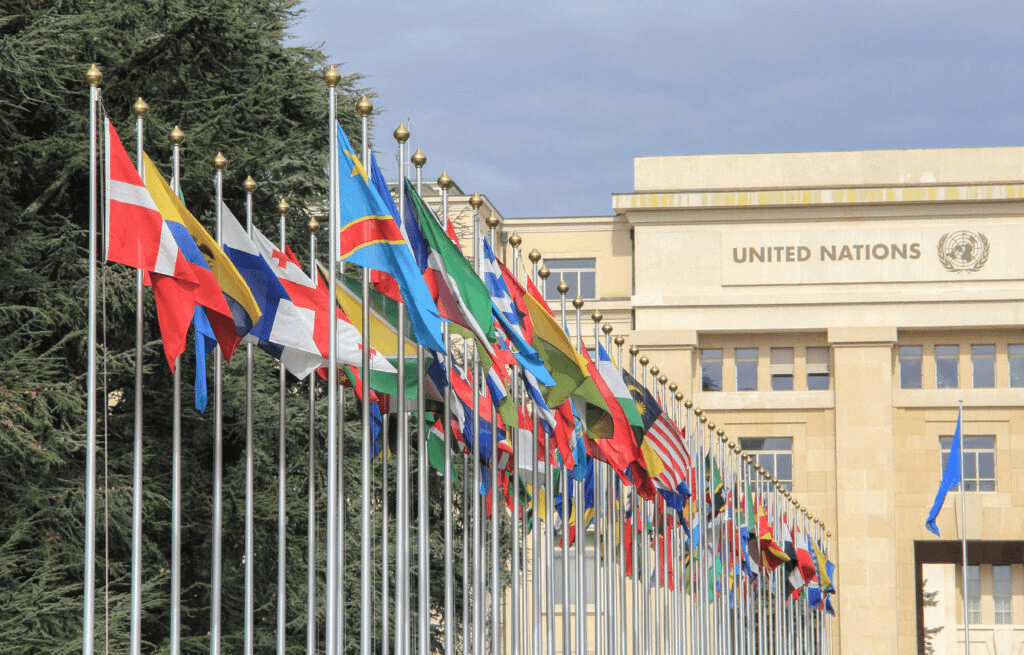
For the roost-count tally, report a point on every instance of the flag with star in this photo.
(369, 237)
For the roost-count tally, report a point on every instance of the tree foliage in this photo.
(221, 71)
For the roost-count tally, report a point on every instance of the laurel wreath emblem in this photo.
(963, 251)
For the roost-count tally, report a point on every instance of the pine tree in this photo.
(218, 69)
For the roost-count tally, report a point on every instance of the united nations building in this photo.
(832, 311)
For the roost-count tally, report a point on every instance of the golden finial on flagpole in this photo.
(476, 200)
(679, 396)
(644, 360)
(332, 77)
(596, 316)
(704, 418)
(534, 256)
(672, 387)
(140, 107)
(688, 404)
(563, 287)
(722, 435)
(177, 136)
(577, 302)
(543, 273)
(654, 370)
(313, 226)
(492, 221)
(732, 446)
(219, 162)
(401, 133)
(364, 107)
(444, 181)
(662, 379)
(249, 185)
(282, 207)
(418, 159)
(711, 427)
(634, 350)
(607, 328)
(93, 76)
(619, 341)
(746, 458)
(515, 240)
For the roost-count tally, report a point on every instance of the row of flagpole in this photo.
(690, 610)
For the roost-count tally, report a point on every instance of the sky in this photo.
(542, 106)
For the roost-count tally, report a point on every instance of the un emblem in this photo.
(963, 251)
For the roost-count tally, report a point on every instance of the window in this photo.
(979, 462)
(1002, 594)
(974, 593)
(910, 367)
(782, 369)
(983, 366)
(711, 369)
(775, 454)
(577, 273)
(947, 367)
(1016, 352)
(817, 369)
(746, 369)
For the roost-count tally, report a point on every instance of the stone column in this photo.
(865, 533)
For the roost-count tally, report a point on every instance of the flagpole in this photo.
(467, 619)
(656, 567)
(634, 554)
(176, 138)
(644, 548)
(563, 288)
(331, 78)
(418, 160)
(139, 109)
(579, 507)
(492, 224)
(620, 529)
(963, 529)
(445, 183)
(250, 186)
(549, 514)
(385, 547)
(402, 590)
(282, 208)
(535, 257)
(311, 565)
(93, 77)
(219, 163)
(607, 487)
(478, 596)
(517, 577)
(600, 627)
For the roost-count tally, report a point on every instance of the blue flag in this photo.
(951, 477)
(370, 237)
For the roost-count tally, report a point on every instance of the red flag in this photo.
(139, 237)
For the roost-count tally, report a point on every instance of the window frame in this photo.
(572, 275)
(1012, 359)
(972, 452)
(904, 356)
(769, 457)
(746, 360)
(818, 370)
(953, 357)
(780, 370)
(1002, 600)
(705, 361)
(980, 359)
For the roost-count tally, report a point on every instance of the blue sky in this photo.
(542, 106)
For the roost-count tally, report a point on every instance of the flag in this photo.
(794, 574)
(951, 476)
(462, 296)
(772, 555)
(803, 555)
(567, 367)
(821, 569)
(229, 303)
(748, 535)
(369, 237)
(285, 331)
(138, 236)
(505, 313)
